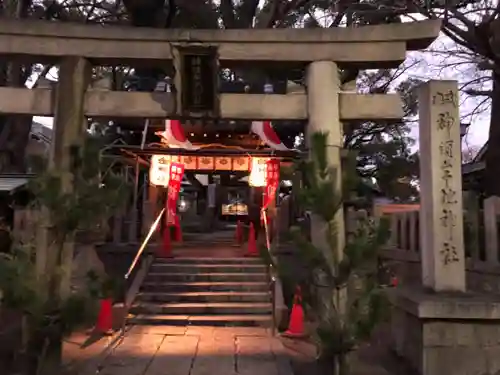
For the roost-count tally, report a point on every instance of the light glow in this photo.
(159, 171)
(257, 176)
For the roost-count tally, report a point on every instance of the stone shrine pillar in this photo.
(444, 328)
(323, 86)
(441, 221)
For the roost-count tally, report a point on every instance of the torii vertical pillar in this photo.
(323, 86)
(70, 126)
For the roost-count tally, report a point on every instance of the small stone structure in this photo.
(439, 327)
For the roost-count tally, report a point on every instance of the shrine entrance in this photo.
(192, 130)
(210, 118)
(209, 194)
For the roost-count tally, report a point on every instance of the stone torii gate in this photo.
(196, 56)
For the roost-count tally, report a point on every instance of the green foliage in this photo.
(341, 292)
(102, 287)
(91, 199)
(20, 290)
(383, 147)
(18, 281)
(80, 200)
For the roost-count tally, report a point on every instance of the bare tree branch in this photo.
(227, 12)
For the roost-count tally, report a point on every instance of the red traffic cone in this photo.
(239, 233)
(296, 326)
(394, 281)
(177, 230)
(252, 244)
(104, 323)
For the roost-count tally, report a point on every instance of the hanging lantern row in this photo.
(261, 170)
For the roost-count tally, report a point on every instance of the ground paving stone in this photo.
(161, 350)
(175, 356)
(132, 356)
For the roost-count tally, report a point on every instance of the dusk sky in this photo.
(443, 60)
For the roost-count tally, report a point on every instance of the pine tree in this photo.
(49, 314)
(341, 293)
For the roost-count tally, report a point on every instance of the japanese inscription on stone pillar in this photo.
(441, 222)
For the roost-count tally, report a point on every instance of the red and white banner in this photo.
(267, 135)
(272, 182)
(174, 188)
(174, 135)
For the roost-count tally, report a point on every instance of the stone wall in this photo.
(480, 276)
(447, 334)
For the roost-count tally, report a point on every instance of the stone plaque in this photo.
(199, 77)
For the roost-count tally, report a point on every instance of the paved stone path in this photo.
(160, 350)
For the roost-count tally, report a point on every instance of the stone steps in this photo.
(227, 296)
(202, 308)
(205, 291)
(171, 268)
(208, 261)
(206, 286)
(211, 276)
(203, 320)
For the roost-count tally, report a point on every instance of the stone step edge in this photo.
(213, 305)
(208, 265)
(203, 321)
(207, 283)
(207, 260)
(228, 317)
(221, 274)
(205, 294)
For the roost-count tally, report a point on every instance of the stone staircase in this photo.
(205, 291)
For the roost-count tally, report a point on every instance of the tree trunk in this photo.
(492, 176)
(45, 348)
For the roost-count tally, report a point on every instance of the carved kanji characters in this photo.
(448, 196)
(445, 122)
(442, 98)
(446, 148)
(449, 253)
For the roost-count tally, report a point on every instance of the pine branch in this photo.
(340, 328)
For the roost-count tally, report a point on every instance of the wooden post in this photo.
(441, 223)
(412, 219)
(471, 209)
(150, 211)
(403, 217)
(69, 133)
(490, 212)
(132, 225)
(118, 219)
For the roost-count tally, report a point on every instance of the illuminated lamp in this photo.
(257, 176)
(159, 170)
